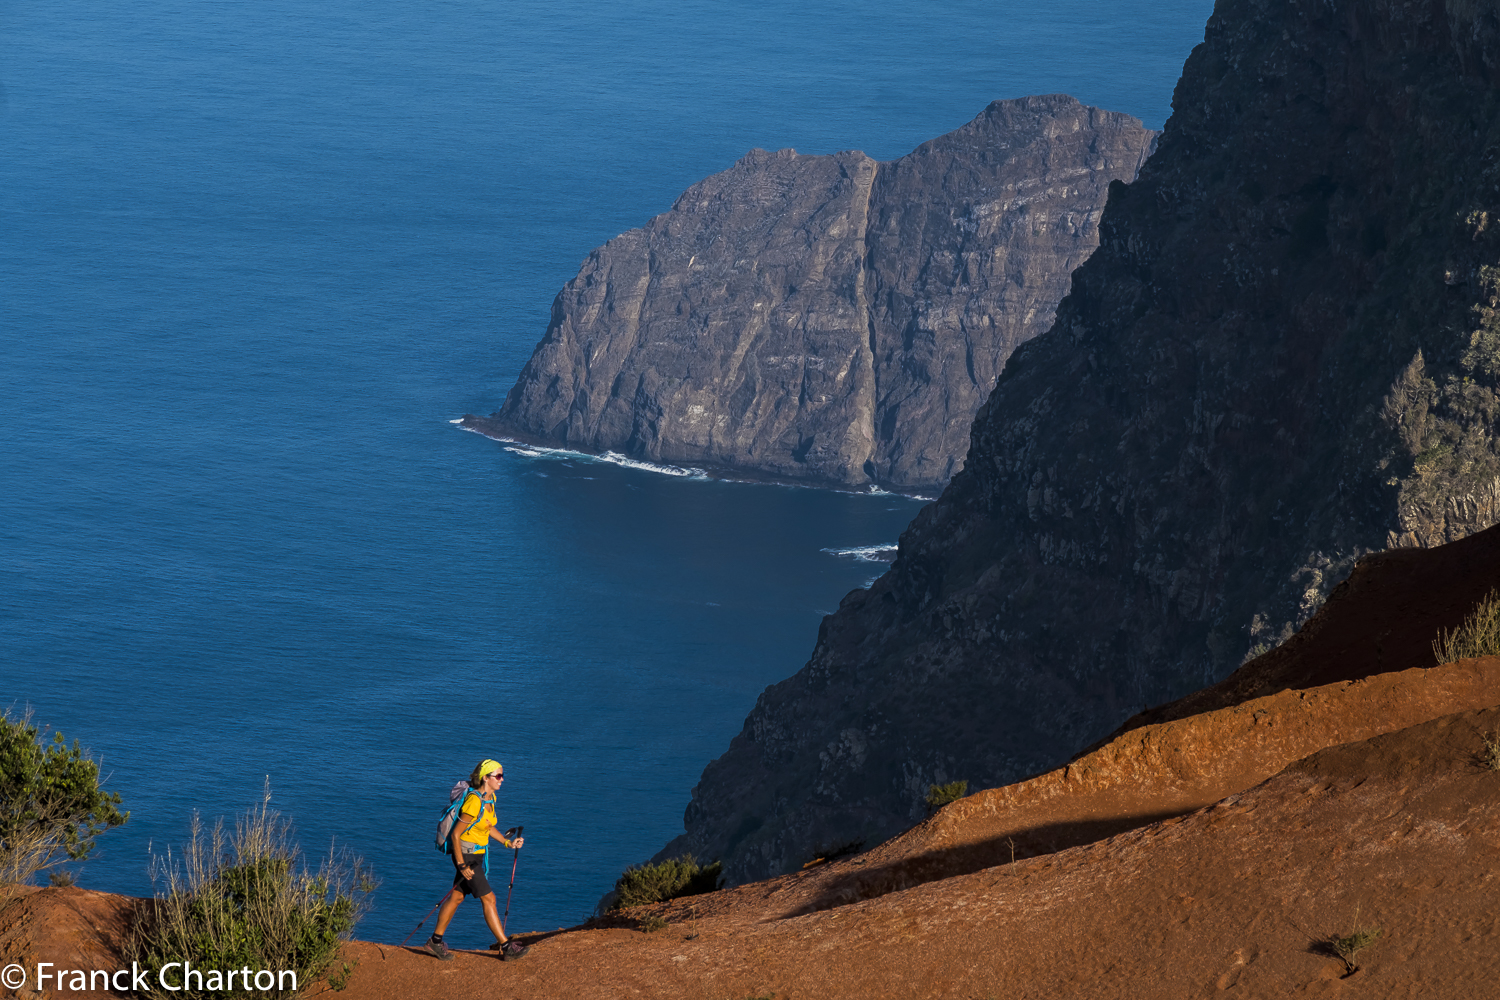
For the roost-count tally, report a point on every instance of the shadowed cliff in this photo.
(827, 318)
(1284, 354)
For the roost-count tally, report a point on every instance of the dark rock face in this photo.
(828, 318)
(1285, 353)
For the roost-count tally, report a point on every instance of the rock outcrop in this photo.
(828, 318)
(1284, 354)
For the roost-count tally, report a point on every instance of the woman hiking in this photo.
(470, 838)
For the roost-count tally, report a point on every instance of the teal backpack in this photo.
(457, 795)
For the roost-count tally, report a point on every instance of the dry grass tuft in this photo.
(1479, 635)
(1489, 753)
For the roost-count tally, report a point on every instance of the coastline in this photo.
(530, 447)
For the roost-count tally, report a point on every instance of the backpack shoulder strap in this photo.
(477, 816)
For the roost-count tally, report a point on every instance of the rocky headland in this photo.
(832, 319)
(1284, 354)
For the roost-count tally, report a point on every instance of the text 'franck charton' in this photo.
(172, 977)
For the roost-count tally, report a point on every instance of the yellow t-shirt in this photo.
(476, 820)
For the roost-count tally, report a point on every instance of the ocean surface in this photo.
(255, 256)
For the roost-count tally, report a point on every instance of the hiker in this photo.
(472, 832)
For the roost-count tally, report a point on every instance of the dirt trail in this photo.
(1400, 832)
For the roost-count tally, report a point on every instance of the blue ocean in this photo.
(256, 256)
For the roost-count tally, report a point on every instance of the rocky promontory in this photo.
(828, 318)
(1284, 354)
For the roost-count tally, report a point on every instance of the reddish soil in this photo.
(71, 928)
(1211, 845)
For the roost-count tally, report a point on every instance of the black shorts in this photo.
(476, 886)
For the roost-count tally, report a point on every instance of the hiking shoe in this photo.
(510, 950)
(439, 949)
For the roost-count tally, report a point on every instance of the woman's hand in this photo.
(518, 842)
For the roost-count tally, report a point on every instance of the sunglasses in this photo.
(498, 776)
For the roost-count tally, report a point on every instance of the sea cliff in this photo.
(1284, 354)
(833, 319)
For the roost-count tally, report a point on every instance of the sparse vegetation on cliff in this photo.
(1489, 754)
(1479, 635)
(642, 884)
(940, 795)
(249, 901)
(51, 805)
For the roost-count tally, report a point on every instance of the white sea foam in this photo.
(566, 456)
(865, 553)
(677, 471)
(534, 450)
(614, 458)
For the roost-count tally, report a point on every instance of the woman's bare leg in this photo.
(450, 907)
(492, 916)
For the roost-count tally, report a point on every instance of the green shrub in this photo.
(250, 901)
(51, 805)
(670, 879)
(1479, 635)
(940, 795)
(1349, 945)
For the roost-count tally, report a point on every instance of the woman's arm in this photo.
(456, 844)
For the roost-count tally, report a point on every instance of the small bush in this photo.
(669, 879)
(1489, 754)
(1349, 945)
(250, 901)
(51, 805)
(339, 981)
(652, 924)
(940, 795)
(60, 878)
(1479, 635)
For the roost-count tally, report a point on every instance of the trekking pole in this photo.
(424, 919)
(511, 834)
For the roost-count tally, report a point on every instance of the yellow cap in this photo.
(489, 767)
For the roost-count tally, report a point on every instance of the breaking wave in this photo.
(865, 553)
